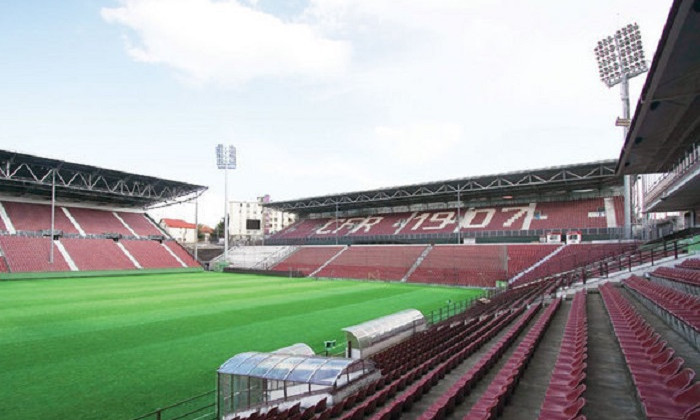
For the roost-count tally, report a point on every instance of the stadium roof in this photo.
(376, 330)
(585, 176)
(24, 175)
(666, 122)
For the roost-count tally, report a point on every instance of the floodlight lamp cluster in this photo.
(621, 56)
(225, 156)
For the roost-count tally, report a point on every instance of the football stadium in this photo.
(528, 294)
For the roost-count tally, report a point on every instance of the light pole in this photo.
(621, 57)
(225, 159)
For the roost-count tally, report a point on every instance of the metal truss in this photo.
(27, 175)
(594, 175)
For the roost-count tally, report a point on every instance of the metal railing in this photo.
(199, 407)
(454, 308)
(448, 238)
(626, 261)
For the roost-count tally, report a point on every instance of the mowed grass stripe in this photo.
(125, 314)
(21, 297)
(198, 318)
(151, 301)
(172, 352)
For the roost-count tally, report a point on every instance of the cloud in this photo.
(226, 42)
(417, 143)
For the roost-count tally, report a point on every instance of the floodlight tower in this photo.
(225, 159)
(621, 57)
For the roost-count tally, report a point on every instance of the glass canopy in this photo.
(376, 330)
(284, 367)
(298, 349)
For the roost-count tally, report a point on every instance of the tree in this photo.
(219, 229)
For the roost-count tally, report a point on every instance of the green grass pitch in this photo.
(119, 347)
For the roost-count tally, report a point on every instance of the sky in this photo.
(318, 96)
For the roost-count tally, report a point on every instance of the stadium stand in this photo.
(181, 253)
(566, 382)
(492, 401)
(576, 255)
(472, 265)
(665, 388)
(301, 229)
(27, 253)
(684, 277)
(522, 257)
(96, 254)
(98, 221)
(461, 265)
(385, 262)
(307, 259)
(32, 217)
(680, 310)
(140, 223)
(151, 254)
(690, 263)
(98, 214)
(83, 245)
(580, 214)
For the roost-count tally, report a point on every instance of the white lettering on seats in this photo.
(349, 223)
(470, 215)
(404, 223)
(322, 230)
(420, 219)
(442, 218)
(367, 223)
(520, 212)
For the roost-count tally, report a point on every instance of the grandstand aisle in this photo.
(610, 392)
(481, 386)
(451, 378)
(529, 394)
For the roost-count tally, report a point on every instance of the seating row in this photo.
(680, 310)
(295, 412)
(490, 404)
(562, 398)
(446, 361)
(666, 389)
(676, 278)
(690, 263)
(684, 275)
(454, 396)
